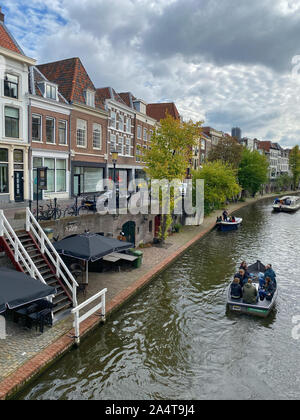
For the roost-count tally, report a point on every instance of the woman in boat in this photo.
(268, 290)
(225, 215)
(243, 276)
(244, 267)
(235, 289)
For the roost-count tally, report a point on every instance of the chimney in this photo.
(1, 16)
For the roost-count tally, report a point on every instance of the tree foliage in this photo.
(228, 150)
(220, 184)
(169, 156)
(295, 165)
(253, 171)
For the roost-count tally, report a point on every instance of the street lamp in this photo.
(115, 156)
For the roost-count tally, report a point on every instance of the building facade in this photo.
(14, 139)
(88, 125)
(49, 122)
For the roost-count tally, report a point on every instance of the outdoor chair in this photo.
(40, 319)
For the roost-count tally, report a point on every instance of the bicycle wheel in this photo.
(69, 212)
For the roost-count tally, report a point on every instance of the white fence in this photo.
(79, 319)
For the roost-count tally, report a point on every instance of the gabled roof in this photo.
(160, 111)
(7, 40)
(72, 79)
(35, 78)
(128, 98)
(109, 93)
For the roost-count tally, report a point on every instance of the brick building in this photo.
(88, 124)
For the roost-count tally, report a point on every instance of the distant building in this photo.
(237, 133)
(251, 144)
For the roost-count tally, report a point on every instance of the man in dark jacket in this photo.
(242, 276)
(249, 293)
(235, 289)
(271, 273)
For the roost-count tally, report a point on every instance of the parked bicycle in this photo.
(52, 212)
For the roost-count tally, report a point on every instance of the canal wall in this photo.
(65, 343)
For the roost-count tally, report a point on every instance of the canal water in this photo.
(176, 341)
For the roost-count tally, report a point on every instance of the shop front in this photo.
(57, 165)
(87, 178)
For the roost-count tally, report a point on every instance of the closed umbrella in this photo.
(18, 289)
(89, 247)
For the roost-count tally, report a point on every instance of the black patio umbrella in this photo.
(18, 289)
(90, 247)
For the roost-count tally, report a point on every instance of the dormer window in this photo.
(51, 92)
(90, 98)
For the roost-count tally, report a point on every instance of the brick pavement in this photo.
(26, 352)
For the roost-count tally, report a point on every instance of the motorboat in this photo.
(287, 204)
(261, 308)
(227, 225)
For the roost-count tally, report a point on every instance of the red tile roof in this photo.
(71, 78)
(160, 111)
(36, 77)
(109, 93)
(7, 41)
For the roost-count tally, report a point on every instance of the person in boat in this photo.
(243, 276)
(271, 273)
(219, 219)
(250, 294)
(225, 215)
(277, 201)
(232, 219)
(261, 280)
(268, 290)
(236, 291)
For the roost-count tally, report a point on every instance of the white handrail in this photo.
(20, 251)
(54, 257)
(78, 319)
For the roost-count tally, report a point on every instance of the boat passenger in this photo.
(268, 290)
(271, 273)
(277, 201)
(235, 289)
(250, 294)
(225, 215)
(243, 276)
(261, 279)
(219, 219)
(244, 267)
(232, 219)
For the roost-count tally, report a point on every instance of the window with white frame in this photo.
(12, 122)
(145, 134)
(120, 148)
(150, 134)
(36, 128)
(51, 92)
(128, 125)
(138, 153)
(121, 122)
(62, 133)
(97, 140)
(50, 130)
(112, 143)
(81, 133)
(139, 131)
(113, 119)
(128, 147)
(11, 86)
(90, 98)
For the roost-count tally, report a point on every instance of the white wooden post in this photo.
(76, 326)
(1, 224)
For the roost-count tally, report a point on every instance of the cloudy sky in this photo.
(229, 62)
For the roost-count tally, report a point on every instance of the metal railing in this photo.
(79, 319)
(20, 253)
(48, 249)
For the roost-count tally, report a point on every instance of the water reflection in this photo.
(176, 340)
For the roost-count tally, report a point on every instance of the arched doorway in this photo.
(129, 231)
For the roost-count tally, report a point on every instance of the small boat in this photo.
(287, 204)
(227, 226)
(261, 308)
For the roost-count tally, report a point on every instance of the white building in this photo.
(14, 143)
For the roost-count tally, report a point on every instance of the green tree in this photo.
(284, 182)
(295, 165)
(169, 156)
(253, 171)
(220, 184)
(228, 150)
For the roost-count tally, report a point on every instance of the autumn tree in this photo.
(253, 171)
(169, 156)
(295, 166)
(220, 184)
(228, 150)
